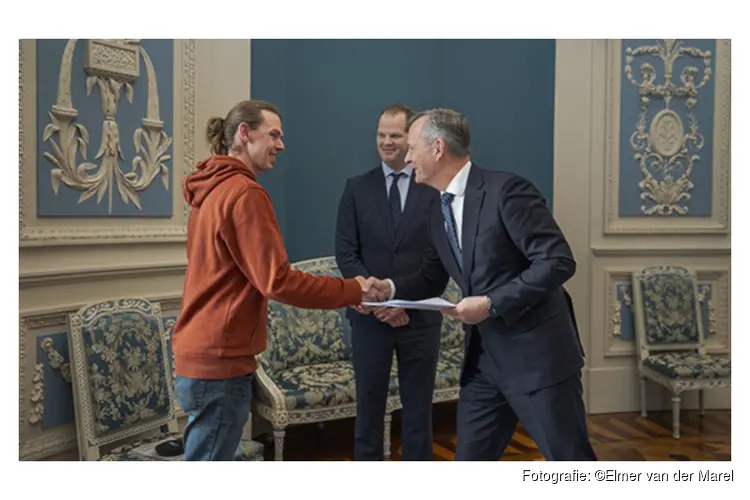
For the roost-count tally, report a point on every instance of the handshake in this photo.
(470, 310)
(375, 290)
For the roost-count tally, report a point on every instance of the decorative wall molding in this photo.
(718, 338)
(721, 161)
(36, 412)
(55, 360)
(33, 442)
(32, 232)
(111, 66)
(50, 443)
(662, 145)
(88, 274)
(686, 250)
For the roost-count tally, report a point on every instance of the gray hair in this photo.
(450, 126)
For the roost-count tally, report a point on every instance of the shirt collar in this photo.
(408, 169)
(457, 187)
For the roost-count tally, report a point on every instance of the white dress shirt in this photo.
(457, 187)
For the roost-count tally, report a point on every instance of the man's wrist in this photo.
(490, 310)
(392, 287)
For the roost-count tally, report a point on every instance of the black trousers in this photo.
(417, 353)
(554, 416)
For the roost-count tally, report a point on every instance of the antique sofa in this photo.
(306, 374)
(671, 340)
(123, 381)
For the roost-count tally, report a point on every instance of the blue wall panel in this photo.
(155, 200)
(58, 392)
(331, 91)
(631, 203)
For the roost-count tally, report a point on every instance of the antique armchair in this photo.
(670, 336)
(451, 351)
(123, 382)
(306, 374)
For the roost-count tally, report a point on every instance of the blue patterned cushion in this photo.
(143, 450)
(323, 385)
(690, 365)
(320, 386)
(449, 368)
(669, 305)
(299, 337)
(125, 355)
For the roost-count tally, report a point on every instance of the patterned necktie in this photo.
(394, 197)
(450, 222)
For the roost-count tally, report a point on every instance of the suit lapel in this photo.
(472, 206)
(381, 200)
(412, 200)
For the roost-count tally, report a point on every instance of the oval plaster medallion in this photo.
(667, 132)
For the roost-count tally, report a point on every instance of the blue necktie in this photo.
(395, 198)
(450, 222)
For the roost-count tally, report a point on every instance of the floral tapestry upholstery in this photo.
(319, 386)
(123, 374)
(671, 341)
(144, 450)
(452, 334)
(305, 337)
(669, 305)
(449, 367)
(689, 364)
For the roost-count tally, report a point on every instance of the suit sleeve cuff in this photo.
(509, 316)
(393, 288)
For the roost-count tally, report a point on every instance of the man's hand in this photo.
(471, 310)
(394, 316)
(373, 289)
(364, 309)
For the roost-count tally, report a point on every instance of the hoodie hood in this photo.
(210, 173)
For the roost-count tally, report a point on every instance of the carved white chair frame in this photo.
(679, 385)
(280, 417)
(89, 443)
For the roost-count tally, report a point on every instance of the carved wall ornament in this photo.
(55, 359)
(36, 412)
(617, 317)
(703, 296)
(665, 151)
(111, 65)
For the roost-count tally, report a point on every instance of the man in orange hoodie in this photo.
(236, 262)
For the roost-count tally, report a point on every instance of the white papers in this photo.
(433, 304)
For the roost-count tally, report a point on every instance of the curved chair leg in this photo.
(644, 411)
(701, 402)
(278, 444)
(387, 436)
(676, 399)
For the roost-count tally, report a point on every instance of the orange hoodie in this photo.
(236, 262)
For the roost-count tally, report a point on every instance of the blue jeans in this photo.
(217, 412)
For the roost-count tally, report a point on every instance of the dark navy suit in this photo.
(370, 243)
(524, 361)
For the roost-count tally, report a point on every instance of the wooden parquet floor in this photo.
(615, 437)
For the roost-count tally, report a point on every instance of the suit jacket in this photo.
(367, 244)
(515, 253)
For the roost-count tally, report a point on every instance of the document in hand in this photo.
(433, 304)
